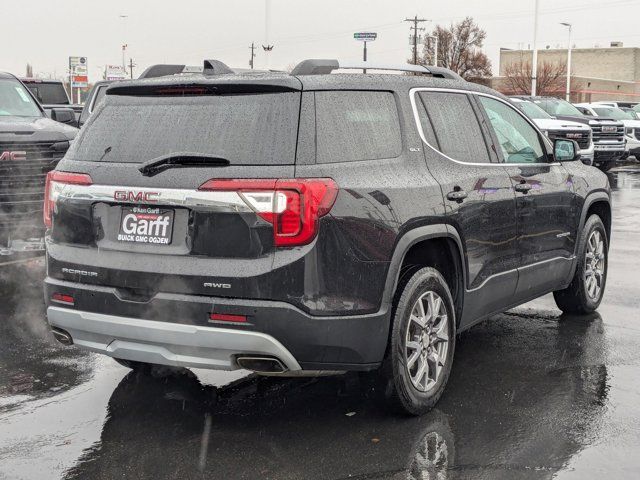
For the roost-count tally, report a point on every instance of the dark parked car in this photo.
(30, 146)
(96, 95)
(306, 223)
(608, 134)
(52, 95)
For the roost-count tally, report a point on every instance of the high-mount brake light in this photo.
(55, 181)
(293, 207)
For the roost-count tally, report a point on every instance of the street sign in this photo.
(114, 72)
(78, 72)
(77, 61)
(365, 36)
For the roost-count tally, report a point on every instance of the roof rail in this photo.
(215, 67)
(326, 66)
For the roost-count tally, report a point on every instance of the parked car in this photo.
(607, 103)
(554, 128)
(96, 95)
(30, 146)
(634, 114)
(608, 134)
(313, 223)
(51, 94)
(631, 124)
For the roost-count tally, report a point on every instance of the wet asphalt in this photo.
(533, 395)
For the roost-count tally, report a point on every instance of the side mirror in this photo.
(63, 115)
(566, 150)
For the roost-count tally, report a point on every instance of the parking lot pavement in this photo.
(533, 394)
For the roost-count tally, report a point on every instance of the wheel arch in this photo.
(426, 243)
(598, 203)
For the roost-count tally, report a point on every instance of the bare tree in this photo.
(459, 49)
(551, 78)
(29, 70)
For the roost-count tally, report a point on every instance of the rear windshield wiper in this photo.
(181, 160)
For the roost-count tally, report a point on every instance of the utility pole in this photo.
(253, 55)
(131, 65)
(415, 20)
(534, 66)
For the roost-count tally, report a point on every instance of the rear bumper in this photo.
(165, 343)
(175, 329)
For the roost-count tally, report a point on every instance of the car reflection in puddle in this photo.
(528, 391)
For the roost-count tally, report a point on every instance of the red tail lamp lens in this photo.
(62, 298)
(224, 317)
(55, 180)
(293, 207)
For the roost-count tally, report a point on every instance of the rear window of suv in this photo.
(246, 129)
(353, 126)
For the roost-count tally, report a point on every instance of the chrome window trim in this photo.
(174, 197)
(416, 117)
(95, 97)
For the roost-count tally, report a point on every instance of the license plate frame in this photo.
(141, 225)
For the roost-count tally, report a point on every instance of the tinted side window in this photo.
(354, 126)
(455, 126)
(518, 140)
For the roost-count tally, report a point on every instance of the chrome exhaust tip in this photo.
(62, 336)
(261, 364)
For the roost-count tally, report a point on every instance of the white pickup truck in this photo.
(555, 128)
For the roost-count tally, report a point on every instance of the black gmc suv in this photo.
(305, 223)
(30, 146)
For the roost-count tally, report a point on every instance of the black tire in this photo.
(605, 167)
(575, 298)
(400, 389)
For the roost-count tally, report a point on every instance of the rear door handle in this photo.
(523, 187)
(457, 195)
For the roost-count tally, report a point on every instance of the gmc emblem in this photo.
(574, 135)
(137, 197)
(17, 155)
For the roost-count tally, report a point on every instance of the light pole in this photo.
(569, 26)
(435, 49)
(534, 65)
(124, 45)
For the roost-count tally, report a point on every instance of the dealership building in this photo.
(611, 73)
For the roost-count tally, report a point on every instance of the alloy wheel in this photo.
(427, 341)
(595, 263)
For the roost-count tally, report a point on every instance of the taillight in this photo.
(54, 183)
(293, 207)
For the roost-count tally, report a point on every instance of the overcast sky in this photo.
(45, 32)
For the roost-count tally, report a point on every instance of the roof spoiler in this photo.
(326, 66)
(210, 67)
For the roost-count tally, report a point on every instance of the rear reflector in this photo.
(224, 317)
(62, 298)
(293, 207)
(55, 181)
